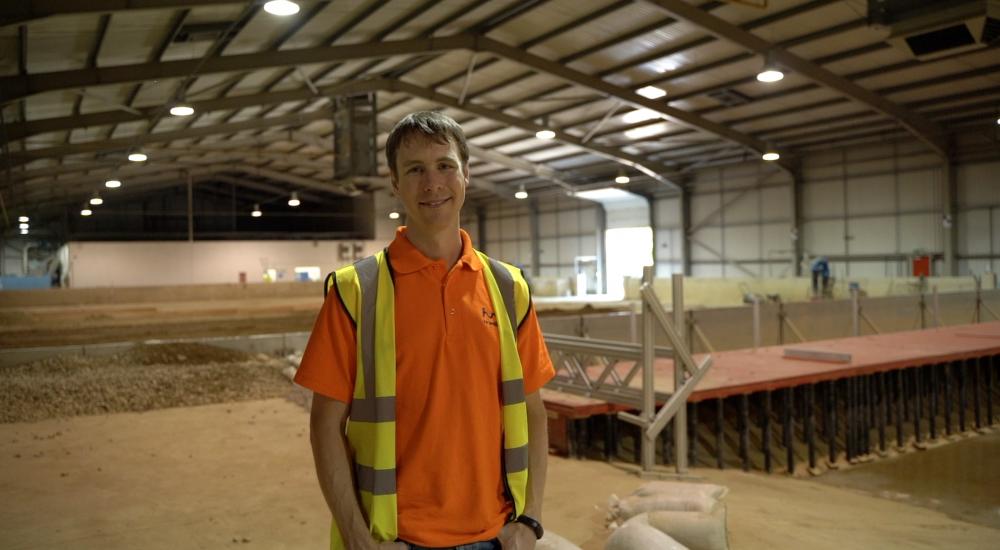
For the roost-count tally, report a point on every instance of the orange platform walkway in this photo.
(747, 371)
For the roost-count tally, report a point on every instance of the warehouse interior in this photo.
(179, 176)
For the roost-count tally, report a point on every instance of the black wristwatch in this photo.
(533, 524)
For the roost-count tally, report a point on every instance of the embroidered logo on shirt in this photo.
(489, 318)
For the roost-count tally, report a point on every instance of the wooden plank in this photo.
(817, 355)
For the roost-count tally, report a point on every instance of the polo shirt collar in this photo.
(406, 258)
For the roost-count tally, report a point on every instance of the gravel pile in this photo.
(144, 378)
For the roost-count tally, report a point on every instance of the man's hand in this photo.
(517, 536)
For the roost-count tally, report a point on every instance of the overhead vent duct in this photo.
(729, 97)
(202, 32)
(928, 29)
(355, 127)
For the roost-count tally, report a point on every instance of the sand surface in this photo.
(240, 475)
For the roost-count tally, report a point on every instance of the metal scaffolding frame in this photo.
(597, 368)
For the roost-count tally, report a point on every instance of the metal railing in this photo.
(600, 368)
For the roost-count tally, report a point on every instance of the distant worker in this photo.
(427, 426)
(821, 271)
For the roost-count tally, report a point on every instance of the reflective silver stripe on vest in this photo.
(513, 391)
(376, 482)
(505, 282)
(378, 409)
(515, 459)
(367, 270)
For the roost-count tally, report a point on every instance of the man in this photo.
(820, 272)
(445, 443)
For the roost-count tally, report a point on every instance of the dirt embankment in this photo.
(146, 377)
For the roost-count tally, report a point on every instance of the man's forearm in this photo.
(538, 455)
(334, 469)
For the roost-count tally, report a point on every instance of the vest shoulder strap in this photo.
(511, 276)
(352, 282)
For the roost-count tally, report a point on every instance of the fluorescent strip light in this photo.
(651, 92)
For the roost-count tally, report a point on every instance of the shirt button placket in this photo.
(449, 311)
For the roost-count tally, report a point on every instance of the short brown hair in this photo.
(432, 124)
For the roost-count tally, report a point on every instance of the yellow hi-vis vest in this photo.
(367, 294)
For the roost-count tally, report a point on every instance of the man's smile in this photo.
(434, 204)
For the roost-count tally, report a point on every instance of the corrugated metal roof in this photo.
(574, 66)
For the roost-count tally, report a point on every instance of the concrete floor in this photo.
(241, 475)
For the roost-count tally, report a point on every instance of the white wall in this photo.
(879, 203)
(741, 224)
(121, 264)
(871, 208)
(508, 233)
(979, 217)
(667, 238)
(567, 228)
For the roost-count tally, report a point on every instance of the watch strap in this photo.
(532, 524)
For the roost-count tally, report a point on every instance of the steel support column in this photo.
(536, 251)
(685, 198)
(680, 419)
(720, 426)
(788, 425)
(648, 448)
(796, 230)
(745, 432)
(765, 428)
(949, 218)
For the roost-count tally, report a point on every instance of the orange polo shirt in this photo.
(448, 399)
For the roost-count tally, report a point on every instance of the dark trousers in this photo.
(816, 278)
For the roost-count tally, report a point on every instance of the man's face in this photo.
(430, 180)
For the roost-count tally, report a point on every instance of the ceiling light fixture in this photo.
(281, 7)
(23, 219)
(640, 115)
(113, 184)
(643, 132)
(393, 214)
(256, 211)
(664, 65)
(770, 156)
(651, 92)
(545, 132)
(770, 72)
(137, 157)
(24, 231)
(182, 110)
(521, 193)
(622, 178)
(96, 200)
(770, 75)
(294, 199)
(86, 211)
(23, 226)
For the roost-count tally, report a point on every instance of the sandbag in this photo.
(552, 541)
(685, 489)
(696, 530)
(666, 495)
(639, 535)
(634, 505)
